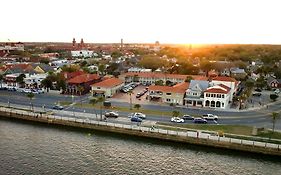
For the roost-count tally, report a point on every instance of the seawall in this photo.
(214, 141)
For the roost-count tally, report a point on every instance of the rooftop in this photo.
(108, 83)
(178, 88)
(84, 78)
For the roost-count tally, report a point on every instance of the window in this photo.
(168, 100)
(168, 93)
(213, 103)
(219, 95)
(199, 102)
(222, 104)
(189, 102)
(222, 96)
(98, 87)
(194, 94)
(212, 95)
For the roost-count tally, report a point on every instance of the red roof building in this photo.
(107, 87)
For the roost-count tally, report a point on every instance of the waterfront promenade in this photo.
(191, 137)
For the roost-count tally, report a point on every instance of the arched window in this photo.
(212, 103)
(207, 103)
(218, 104)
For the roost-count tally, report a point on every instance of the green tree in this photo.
(102, 69)
(188, 79)
(137, 106)
(273, 97)
(274, 117)
(31, 96)
(176, 113)
(20, 79)
(159, 82)
(93, 102)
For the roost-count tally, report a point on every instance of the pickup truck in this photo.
(210, 117)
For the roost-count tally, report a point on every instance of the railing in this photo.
(191, 134)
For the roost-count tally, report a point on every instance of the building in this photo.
(238, 73)
(217, 96)
(273, 82)
(137, 70)
(227, 81)
(12, 46)
(107, 87)
(42, 68)
(195, 93)
(82, 53)
(168, 94)
(151, 77)
(81, 84)
(34, 81)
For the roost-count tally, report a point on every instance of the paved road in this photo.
(259, 118)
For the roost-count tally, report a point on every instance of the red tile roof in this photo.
(178, 88)
(162, 75)
(69, 75)
(223, 90)
(224, 78)
(108, 83)
(83, 78)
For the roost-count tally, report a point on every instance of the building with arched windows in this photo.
(217, 96)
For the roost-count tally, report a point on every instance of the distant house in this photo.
(195, 93)
(273, 82)
(81, 84)
(34, 81)
(43, 68)
(238, 73)
(107, 87)
(168, 94)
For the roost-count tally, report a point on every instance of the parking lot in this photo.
(125, 97)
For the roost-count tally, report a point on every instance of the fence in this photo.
(190, 134)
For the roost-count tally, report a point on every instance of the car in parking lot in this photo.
(177, 120)
(136, 119)
(257, 94)
(58, 107)
(111, 114)
(258, 90)
(276, 91)
(187, 117)
(200, 120)
(210, 117)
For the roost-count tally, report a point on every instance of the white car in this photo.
(139, 115)
(210, 117)
(277, 91)
(177, 120)
(26, 90)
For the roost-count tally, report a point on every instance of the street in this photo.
(259, 117)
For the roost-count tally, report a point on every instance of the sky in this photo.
(142, 21)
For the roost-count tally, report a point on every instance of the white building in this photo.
(227, 81)
(82, 53)
(217, 96)
(137, 70)
(34, 80)
(195, 93)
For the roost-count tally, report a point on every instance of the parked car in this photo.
(111, 114)
(257, 94)
(210, 117)
(136, 119)
(177, 120)
(27, 90)
(258, 90)
(58, 107)
(200, 120)
(187, 117)
(139, 115)
(277, 91)
(40, 91)
(12, 89)
(139, 95)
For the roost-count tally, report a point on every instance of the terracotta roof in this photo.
(69, 75)
(162, 75)
(224, 78)
(108, 83)
(222, 89)
(178, 88)
(83, 78)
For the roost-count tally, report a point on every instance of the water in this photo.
(29, 148)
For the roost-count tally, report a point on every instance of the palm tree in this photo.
(80, 90)
(101, 100)
(130, 93)
(30, 96)
(176, 113)
(94, 101)
(274, 116)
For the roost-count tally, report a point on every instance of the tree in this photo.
(93, 102)
(102, 68)
(249, 84)
(80, 90)
(20, 79)
(44, 61)
(274, 116)
(30, 96)
(47, 83)
(130, 94)
(176, 113)
(273, 97)
(83, 63)
(137, 106)
(159, 82)
(188, 79)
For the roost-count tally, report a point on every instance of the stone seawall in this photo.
(142, 132)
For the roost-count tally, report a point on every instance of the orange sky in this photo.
(168, 21)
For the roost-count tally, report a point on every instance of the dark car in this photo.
(257, 94)
(200, 120)
(136, 119)
(111, 114)
(187, 117)
(58, 107)
(258, 90)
